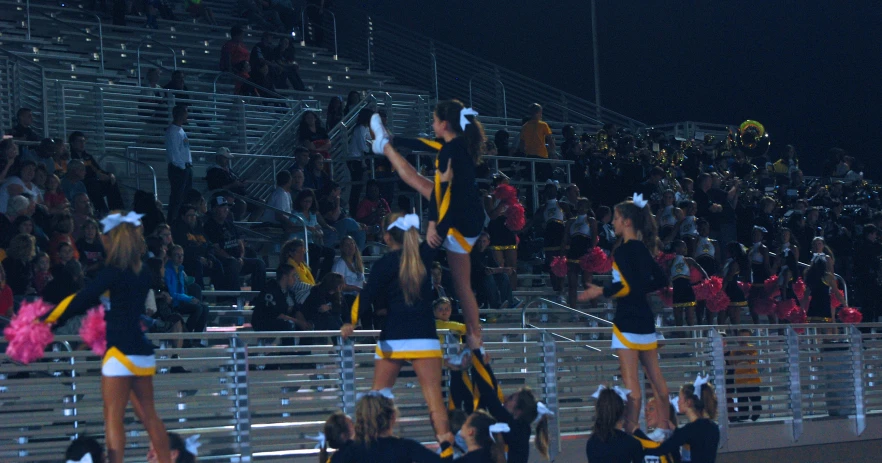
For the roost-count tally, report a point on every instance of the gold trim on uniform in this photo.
(684, 304)
(504, 248)
(738, 304)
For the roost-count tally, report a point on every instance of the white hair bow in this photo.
(192, 444)
(700, 381)
(620, 391)
(113, 220)
(637, 198)
(406, 222)
(819, 256)
(385, 392)
(541, 410)
(497, 428)
(675, 402)
(319, 439)
(463, 120)
(87, 458)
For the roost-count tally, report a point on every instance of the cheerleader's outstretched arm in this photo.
(408, 173)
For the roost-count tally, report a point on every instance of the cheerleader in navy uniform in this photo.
(788, 263)
(699, 438)
(129, 364)
(760, 269)
(635, 274)
(681, 281)
(400, 279)
(484, 437)
(820, 286)
(707, 250)
(554, 232)
(666, 216)
(454, 200)
(579, 239)
(608, 442)
(503, 241)
(375, 419)
(735, 270)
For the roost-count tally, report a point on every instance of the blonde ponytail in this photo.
(542, 439)
(412, 271)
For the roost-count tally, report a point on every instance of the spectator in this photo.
(293, 253)
(199, 11)
(7, 299)
(747, 378)
(349, 264)
(17, 264)
(323, 308)
(42, 273)
(21, 182)
(23, 130)
(66, 279)
(221, 177)
(243, 87)
(180, 161)
(297, 181)
(177, 82)
(537, 141)
(62, 227)
(163, 232)
(301, 159)
(272, 308)
(45, 154)
(91, 249)
(100, 184)
(234, 51)
(263, 84)
(159, 307)
(372, 208)
(229, 248)
(25, 224)
(335, 113)
(358, 148)
(329, 208)
(178, 287)
(72, 183)
(866, 271)
(194, 198)
(501, 141)
(352, 100)
(286, 58)
(313, 136)
(263, 50)
(18, 207)
(490, 281)
(281, 200)
(321, 257)
(198, 261)
(259, 15)
(8, 153)
(82, 212)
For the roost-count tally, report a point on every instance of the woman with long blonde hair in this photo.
(129, 364)
(401, 280)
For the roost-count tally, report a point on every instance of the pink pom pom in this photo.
(784, 307)
(834, 301)
(799, 288)
(764, 306)
(506, 194)
(850, 315)
(770, 285)
(708, 288)
(718, 303)
(796, 315)
(663, 258)
(744, 287)
(94, 330)
(595, 261)
(27, 335)
(514, 217)
(559, 266)
(667, 296)
(695, 275)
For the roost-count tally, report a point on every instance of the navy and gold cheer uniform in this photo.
(705, 255)
(501, 237)
(819, 304)
(635, 274)
(455, 205)
(737, 298)
(409, 332)
(681, 282)
(491, 398)
(388, 450)
(580, 239)
(759, 273)
(553, 217)
(129, 352)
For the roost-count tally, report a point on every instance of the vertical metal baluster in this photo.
(719, 365)
(795, 385)
(855, 345)
(347, 373)
(549, 389)
(241, 410)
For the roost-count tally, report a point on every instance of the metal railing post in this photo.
(719, 366)
(370, 44)
(45, 93)
(549, 372)
(60, 105)
(434, 68)
(347, 373)
(241, 410)
(856, 347)
(243, 128)
(795, 384)
(102, 129)
(28, 14)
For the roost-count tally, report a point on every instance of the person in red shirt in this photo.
(234, 51)
(6, 297)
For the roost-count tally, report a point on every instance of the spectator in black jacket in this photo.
(221, 177)
(272, 307)
(198, 260)
(229, 248)
(323, 307)
(101, 185)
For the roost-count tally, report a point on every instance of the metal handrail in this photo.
(584, 314)
(87, 34)
(499, 81)
(290, 215)
(244, 80)
(141, 43)
(100, 30)
(23, 60)
(303, 25)
(137, 171)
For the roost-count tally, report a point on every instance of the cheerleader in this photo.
(635, 274)
(760, 270)
(666, 216)
(578, 240)
(686, 227)
(453, 197)
(503, 241)
(519, 410)
(819, 281)
(554, 232)
(735, 270)
(461, 396)
(681, 281)
(375, 418)
(400, 279)
(338, 433)
(483, 437)
(698, 440)
(608, 442)
(129, 364)
(707, 250)
(788, 263)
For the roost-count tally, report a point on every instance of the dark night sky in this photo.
(808, 70)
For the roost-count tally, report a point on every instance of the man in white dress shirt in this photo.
(180, 161)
